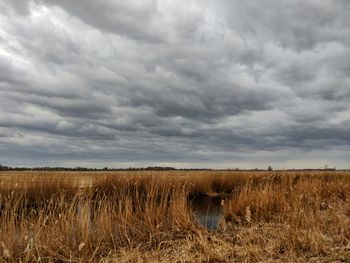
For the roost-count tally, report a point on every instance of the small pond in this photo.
(207, 210)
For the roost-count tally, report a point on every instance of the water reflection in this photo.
(82, 182)
(84, 217)
(207, 210)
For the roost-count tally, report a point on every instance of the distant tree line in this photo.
(149, 168)
(47, 168)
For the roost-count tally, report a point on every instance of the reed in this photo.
(146, 217)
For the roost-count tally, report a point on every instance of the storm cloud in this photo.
(183, 83)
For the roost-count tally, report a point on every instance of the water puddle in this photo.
(84, 218)
(82, 182)
(207, 210)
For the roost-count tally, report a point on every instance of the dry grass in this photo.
(145, 217)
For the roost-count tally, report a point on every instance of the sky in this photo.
(195, 83)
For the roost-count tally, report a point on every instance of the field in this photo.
(148, 216)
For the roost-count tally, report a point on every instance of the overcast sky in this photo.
(204, 83)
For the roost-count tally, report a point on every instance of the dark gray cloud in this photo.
(195, 83)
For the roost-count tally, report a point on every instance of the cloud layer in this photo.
(185, 83)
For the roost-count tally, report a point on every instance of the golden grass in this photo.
(145, 217)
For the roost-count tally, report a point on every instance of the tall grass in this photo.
(146, 216)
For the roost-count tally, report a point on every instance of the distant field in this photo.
(148, 216)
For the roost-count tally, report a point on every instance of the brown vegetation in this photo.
(146, 217)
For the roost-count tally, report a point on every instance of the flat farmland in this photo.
(162, 216)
